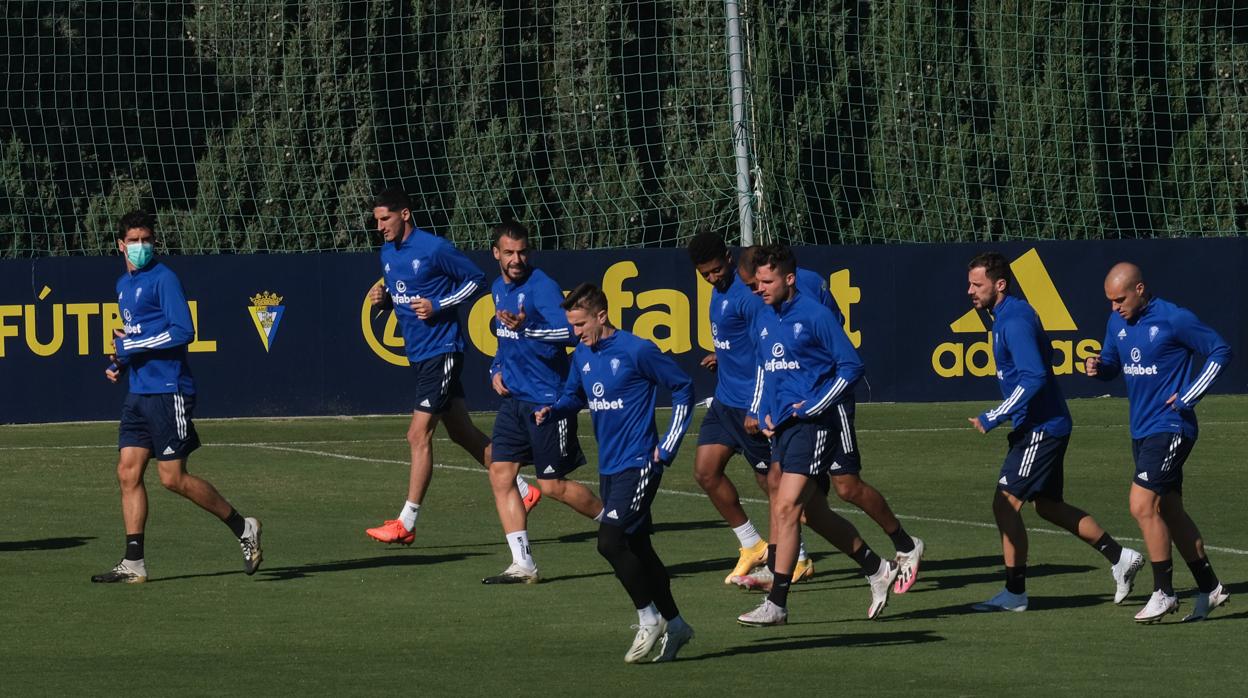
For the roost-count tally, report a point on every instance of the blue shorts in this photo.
(723, 425)
(1159, 460)
(161, 423)
(1035, 466)
(823, 445)
(552, 446)
(627, 496)
(437, 382)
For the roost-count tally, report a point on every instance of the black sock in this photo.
(1206, 580)
(779, 594)
(1163, 577)
(867, 560)
(902, 540)
(1016, 579)
(1107, 546)
(236, 523)
(771, 558)
(134, 546)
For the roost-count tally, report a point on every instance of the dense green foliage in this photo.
(266, 126)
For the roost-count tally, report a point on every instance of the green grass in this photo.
(332, 612)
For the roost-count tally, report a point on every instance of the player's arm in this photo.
(849, 366)
(179, 328)
(467, 278)
(550, 324)
(1024, 346)
(662, 369)
(1108, 365)
(571, 399)
(1204, 340)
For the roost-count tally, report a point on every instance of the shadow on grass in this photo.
(281, 574)
(929, 582)
(1035, 604)
(811, 642)
(22, 546)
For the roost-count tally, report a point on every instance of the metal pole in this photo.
(740, 120)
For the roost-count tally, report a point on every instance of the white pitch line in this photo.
(479, 469)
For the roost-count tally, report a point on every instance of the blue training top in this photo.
(618, 380)
(1155, 354)
(426, 266)
(803, 356)
(1024, 357)
(158, 327)
(532, 359)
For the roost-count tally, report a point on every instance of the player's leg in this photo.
(722, 434)
(464, 432)
(1145, 506)
(1210, 591)
(511, 447)
(132, 569)
(576, 496)
(1006, 511)
(844, 536)
(677, 633)
(791, 494)
(556, 455)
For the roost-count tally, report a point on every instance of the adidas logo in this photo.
(1003, 481)
(836, 466)
(425, 403)
(612, 515)
(1122, 334)
(168, 451)
(1144, 477)
(550, 470)
(1032, 282)
(585, 368)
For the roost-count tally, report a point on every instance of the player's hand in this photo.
(499, 386)
(1091, 365)
(770, 430)
(751, 425)
(1175, 404)
(119, 333)
(512, 321)
(710, 362)
(977, 424)
(658, 458)
(541, 415)
(797, 407)
(113, 372)
(423, 307)
(377, 294)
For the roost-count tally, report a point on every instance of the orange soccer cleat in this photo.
(391, 531)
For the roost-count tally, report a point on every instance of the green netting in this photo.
(255, 126)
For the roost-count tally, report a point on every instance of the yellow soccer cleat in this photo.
(805, 569)
(749, 559)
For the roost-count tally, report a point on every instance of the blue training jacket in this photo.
(1155, 355)
(1024, 357)
(803, 356)
(532, 359)
(618, 380)
(426, 266)
(158, 327)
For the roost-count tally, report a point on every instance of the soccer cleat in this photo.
(803, 570)
(250, 543)
(391, 531)
(908, 564)
(758, 580)
(881, 584)
(766, 614)
(749, 558)
(643, 643)
(126, 572)
(515, 574)
(1207, 602)
(1159, 605)
(532, 498)
(678, 634)
(1129, 563)
(1005, 600)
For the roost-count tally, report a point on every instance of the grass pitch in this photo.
(331, 612)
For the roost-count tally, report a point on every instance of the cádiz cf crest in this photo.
(266, 311)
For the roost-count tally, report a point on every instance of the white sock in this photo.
(520, 551)
(801, 548)
(408, 516)
(648, 615)
(522, 486)
(747, 535)
(598, 516)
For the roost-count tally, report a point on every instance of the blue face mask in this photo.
(139, 253)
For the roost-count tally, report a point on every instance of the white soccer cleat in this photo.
(250, 543)
(758, 580)
(1129, 563)
(1207, 602)
(766, 614)
(881, 583)
(1159, 605)
(125, 572)
(1005, 600)
(643, 643)
(908, 563)
(678, 634)
(515, 573)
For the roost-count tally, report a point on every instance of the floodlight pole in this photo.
(740, 120)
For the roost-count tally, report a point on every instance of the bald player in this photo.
(1154, 343)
